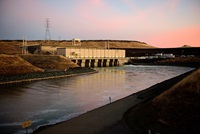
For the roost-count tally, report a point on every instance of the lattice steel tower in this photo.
(47, 32)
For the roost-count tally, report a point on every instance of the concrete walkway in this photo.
(96, 120)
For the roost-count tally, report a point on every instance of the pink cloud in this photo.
(173, 4)
(101, 17)
(177, 38)
(96, 2)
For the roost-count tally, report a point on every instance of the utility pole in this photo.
(24, 47)
(107, 45)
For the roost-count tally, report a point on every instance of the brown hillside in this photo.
(13, 47)
(50, 62)
(14, 65)
(175, 111)
(100, 44)
(179, 107)
(186, 46)
(116, 44)
(10, 47)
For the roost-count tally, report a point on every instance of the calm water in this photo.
(52, 101)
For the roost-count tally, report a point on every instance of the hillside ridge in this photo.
(14, 46)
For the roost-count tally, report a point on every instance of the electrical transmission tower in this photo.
(47, 32)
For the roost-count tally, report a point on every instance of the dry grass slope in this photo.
(179, 107)
(175, 111)
(116, 44)
(50, 62)
(13, 47)
(14, 65)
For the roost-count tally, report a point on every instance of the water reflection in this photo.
(55, 100)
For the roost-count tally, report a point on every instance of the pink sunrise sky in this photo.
(160, 23)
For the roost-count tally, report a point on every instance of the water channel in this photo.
(51, 101)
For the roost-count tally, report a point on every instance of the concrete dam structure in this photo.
(93, 57)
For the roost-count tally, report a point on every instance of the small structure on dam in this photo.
(76, 42)
(94, 57)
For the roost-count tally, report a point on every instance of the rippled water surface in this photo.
(51, 101)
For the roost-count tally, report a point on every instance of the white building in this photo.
(75, 52)
(76, 42)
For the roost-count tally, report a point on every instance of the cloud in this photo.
(99, 16)
(121, 19)
(173, 4)
(96, 2)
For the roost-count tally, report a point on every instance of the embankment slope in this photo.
(50, 62)
(10, 47)
(176, 111)
(15, 65)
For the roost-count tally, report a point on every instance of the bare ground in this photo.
(14, 65)
(50, 62)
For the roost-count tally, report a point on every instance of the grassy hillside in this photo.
(10, 47)
(176, 111)
(14, 65)
(97, 43)
(50, 62)
(115, 44)
(179, 107)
